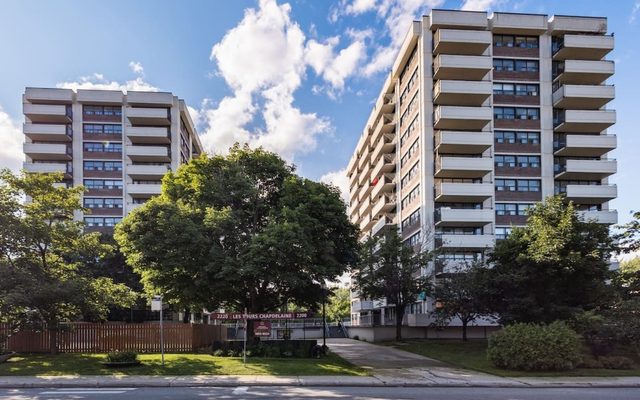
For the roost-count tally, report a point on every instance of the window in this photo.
(408, 199)
(409, 131)
(412, 105)
(525, 42)
(528, 185)
(527, 90)
(413, 172)
(504, 88)
(411, 220)
(410, 152)
(102, 110)
(505, 161)
(502, 233)
(460, 206)
(102, 147)
(103, 202)
(505, 137)
(503, 64)
(414, 240)
(561, 186)
(103, 184)
(506, 209)
(527, 65)
(516, 113)
(505, 185)
(410, 85)
(512, 208)
(99, 129)
(529, 161)
(528, 137)
(103, 165)
(460, 256)
(459, 231)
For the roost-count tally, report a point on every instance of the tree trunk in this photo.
(399, 317)
(464, 330)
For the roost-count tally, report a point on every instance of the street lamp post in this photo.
(324, 317)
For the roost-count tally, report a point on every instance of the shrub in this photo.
(590, 363)
(219, 353)
(122, 357)
(356, 337)
(529, 347)
(616, 362)
(232, 353)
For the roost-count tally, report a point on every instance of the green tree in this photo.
(627, 279)
(339, 304)
(462, 293)
(629, 236)
(44, 256)
(391, 269)
(241, 231)
(552, 268)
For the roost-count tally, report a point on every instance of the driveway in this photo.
(394, 366)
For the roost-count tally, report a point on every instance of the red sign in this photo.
(262, 328)
(259, 315)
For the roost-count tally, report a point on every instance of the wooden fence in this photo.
(103, 338)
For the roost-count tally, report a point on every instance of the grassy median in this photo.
(176, 364)
(472, 355)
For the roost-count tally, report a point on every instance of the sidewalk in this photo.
(388, 366)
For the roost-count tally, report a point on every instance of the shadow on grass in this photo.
(175, 364)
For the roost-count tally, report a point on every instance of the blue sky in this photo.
(296, 76)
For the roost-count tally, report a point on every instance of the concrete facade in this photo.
(480, 118)
(118, 145)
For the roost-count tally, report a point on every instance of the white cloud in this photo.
(263, 60)
(11, 154)
(340, 180)
(136, 67)
(634, 12)
(98, 81)
(479, 5)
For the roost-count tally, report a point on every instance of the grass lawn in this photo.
(176, 364)
(472, 355)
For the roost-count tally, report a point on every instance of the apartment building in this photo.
(481, 117)
(117, 145)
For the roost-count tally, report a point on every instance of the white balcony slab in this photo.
(48, 132)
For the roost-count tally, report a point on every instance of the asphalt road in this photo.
(332, 393)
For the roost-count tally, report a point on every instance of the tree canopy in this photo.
(239, 231)
(338, 304)
(552, 268)
(44, 256)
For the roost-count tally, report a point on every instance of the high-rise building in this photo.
(481, 117)
(117, 145)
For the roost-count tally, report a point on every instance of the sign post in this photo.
(246, 333)
(156, 305)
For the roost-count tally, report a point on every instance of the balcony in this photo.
(364, 175)
(49, 168)
(48, 132)
(365, 206)
(461, 93)
(590, 194)
(447, 66)
(455, 142)
(386, 124)
(608, 217)
(148, 153)
(386, 145)
(461, 42)
(465, 241)
(462, 118)
(582, 72)
(386, 163)
(533, 24)
(59, 114)
(366, 223)
(586, 169)
(463, 192)
(149, 116)
(147, 172)
(583, 97)
(383, 204)
(384, 184)
(48, 95)
(585, 145)
(463, 167)
(453, 18)
(48, 151)
(148, 134)
(446, 216)
(583, 47)
(143, 189)
(559, 24)
(384, 222)
(133, 206)
(150, 98)
(576, 121)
